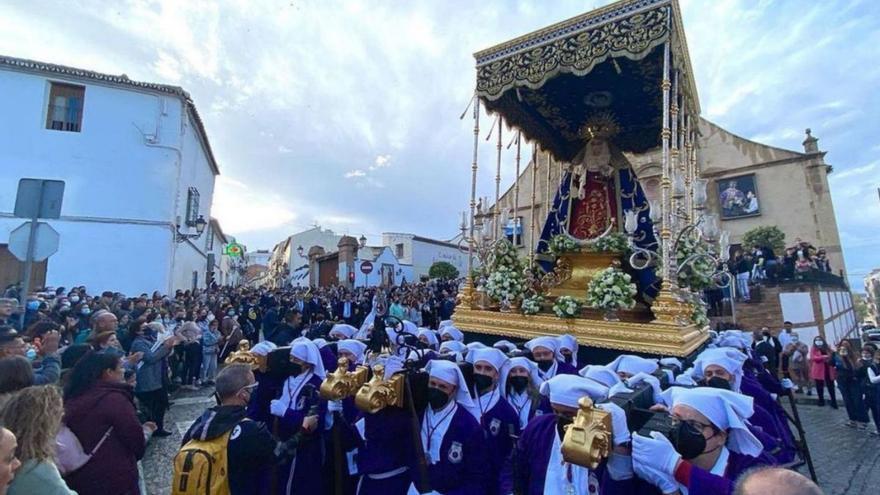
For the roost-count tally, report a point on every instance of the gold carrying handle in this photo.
(587, 440)
(244, 355)
(378, 393)
(341, 383)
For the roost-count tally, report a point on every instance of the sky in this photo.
(346, 114)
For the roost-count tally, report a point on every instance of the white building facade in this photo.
(136, 163)
(421, 252)
(385, 268)
(288, 265)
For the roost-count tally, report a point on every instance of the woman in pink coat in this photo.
(822, 370)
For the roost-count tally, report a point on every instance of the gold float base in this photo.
(650, 338)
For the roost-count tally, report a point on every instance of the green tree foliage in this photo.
(766, 235)
(443, 269)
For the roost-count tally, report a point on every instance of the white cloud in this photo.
(296, 94)
(382, 161)
(242, 209)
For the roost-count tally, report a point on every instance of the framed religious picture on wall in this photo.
(738, 197)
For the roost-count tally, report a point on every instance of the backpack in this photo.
(69, 453)
(201, 467)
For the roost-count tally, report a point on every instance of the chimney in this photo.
(810, 143)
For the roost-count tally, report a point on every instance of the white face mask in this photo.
(74, 299)
(820, 343)
(210, 317)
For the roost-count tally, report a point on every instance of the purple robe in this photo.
(775, 422)
(500, 425)
(268, 388)
(388, 445)
(303, 473)
(701, 482)
(563, 368)
(526, 468)
(328, 359)
(461, 469)
(771, 445)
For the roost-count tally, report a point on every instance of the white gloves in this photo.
(618, 388)
(664, 482)
(671, 361)
(277, 408)
(655, 452)
(787, 384)
(650, 380)
(619, 429)
(334, 406)
(686, 379)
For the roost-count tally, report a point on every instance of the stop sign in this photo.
(45, 241)
(366, 267)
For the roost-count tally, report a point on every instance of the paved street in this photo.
(847, 461)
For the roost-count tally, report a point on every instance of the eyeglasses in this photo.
(692, 423)
(250, 387)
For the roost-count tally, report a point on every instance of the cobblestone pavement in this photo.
(157, 463)
(847, 461)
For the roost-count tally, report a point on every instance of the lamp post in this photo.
(199, 224)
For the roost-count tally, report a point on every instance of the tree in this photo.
(766, 235)
(860, 305)
(443, 269)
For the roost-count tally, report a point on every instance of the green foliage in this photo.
(443, 269)
(697, 274)
(765, 235)
(561, 244)
(614, 242)
(861, 306)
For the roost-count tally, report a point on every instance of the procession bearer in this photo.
(497, 417)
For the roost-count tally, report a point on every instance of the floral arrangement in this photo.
(561, 244)
(611, 243)
(611, 289)
(697, 275)
(532, 305)
(505, 282)
(567, 307)
(699, 317)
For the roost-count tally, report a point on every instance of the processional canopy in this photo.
(561, 84)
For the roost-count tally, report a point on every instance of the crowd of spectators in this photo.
(117, 359)
(762, 266)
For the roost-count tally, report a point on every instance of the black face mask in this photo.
(483, 382)
(545, 365)
(717, 382)
(687, 441)
(294, 369)
(437, 398)
(519, 383)
(567, 358)
(561, 422)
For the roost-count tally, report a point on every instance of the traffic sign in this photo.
(366, 267)
(38, 198)
(45, 241)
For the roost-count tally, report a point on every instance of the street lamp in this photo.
(199, 224)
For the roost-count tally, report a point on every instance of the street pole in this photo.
(29, 260)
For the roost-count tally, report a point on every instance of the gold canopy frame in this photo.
(539, 84)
